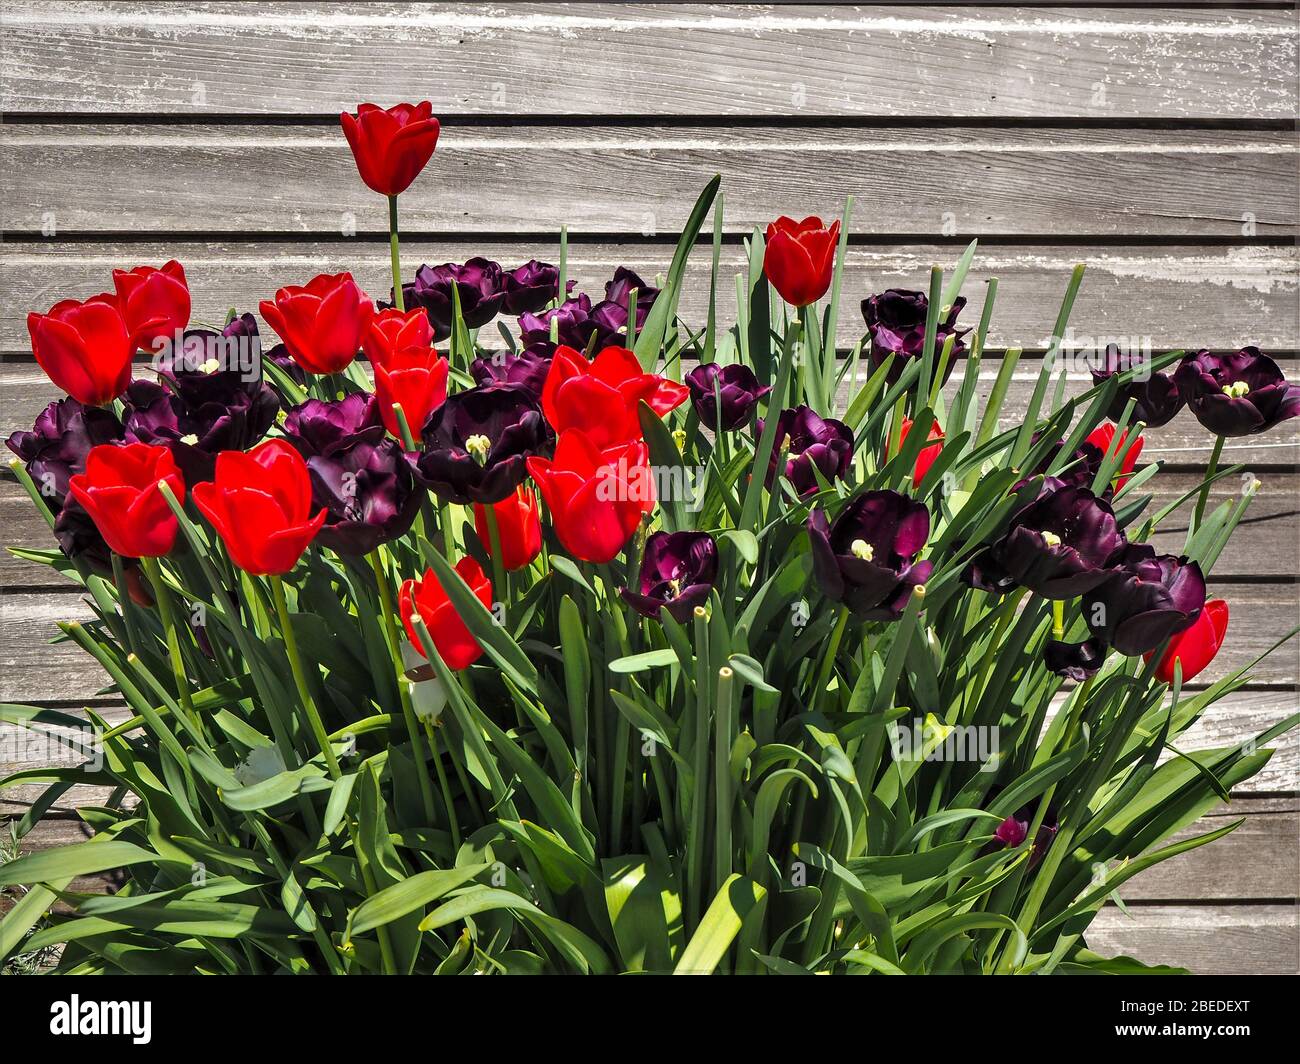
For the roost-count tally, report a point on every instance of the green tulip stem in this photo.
(500, 589)
(153, 570)
(696, 841)
(828, 658)
(124, 604)
(1058, 619)
(398, 300)
(432, 732)
(300, 678)
(896, 427)
(1210, 471)
(386, 614)
(722, 850)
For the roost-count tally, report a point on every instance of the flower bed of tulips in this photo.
(614, 642)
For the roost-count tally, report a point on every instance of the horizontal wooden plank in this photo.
(1260, 860)
(1164, 298)
(507, 179)
(646, 59)
(1207, 939)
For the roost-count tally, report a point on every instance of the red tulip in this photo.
(518, 527)
(84, 348)
(601, 397)
(391, 146)
(800, 258)
(393, 332)
(417, 380)
(321, 322)
(155, 303)
(1101, 437)
(596, 497)
(260, 505)
(1196, 646)
(927, 457)
(454, 643)
(119, 489)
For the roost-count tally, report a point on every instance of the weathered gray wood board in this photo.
(1185, 297)
(1147, 140)
(607, 179)
(647, 59)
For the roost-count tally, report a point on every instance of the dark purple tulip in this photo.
(677, 571)
(611, 314)
(370, 493)
(619, 290)
(575, 328)
(1080, 471)
(804, 441)
(738, 387)
(1074, 661)
(1013, 830)
(1156, 399)
(896, 324)
(79, 538)
(479, 281)
(56, 447)
(1238, 394)
(320, 427)
(866, 558)
(985, 574)
(1061, 545)
(526, 370)
(202, 415)
(476, 443)
(1150, 598)
(530, 287)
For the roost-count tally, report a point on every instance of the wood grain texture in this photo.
(1206, 939)
(1165, 297)
(507, 179)
(647, 59)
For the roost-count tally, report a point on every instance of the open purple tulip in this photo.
(320, 427)
(478, 281)
(527, 370)
(574, 328)
(677, 572)
(370, 494)
(530, 287)
(359, 475)
(477, 442)
(1238, 394)
(806, 441)
(735, 384)
(1074, 661)
(1061, 545)
(866, 557)
(56, 447)
(896, 324)
(199, 416)
(1155, 396)
(1150, 598)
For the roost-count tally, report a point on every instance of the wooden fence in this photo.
(1155, 143)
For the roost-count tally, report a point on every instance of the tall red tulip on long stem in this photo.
(391, 147)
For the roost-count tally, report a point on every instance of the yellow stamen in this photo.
(478, 445)
(190, 438)
(210, 366)
(1051, 539)
(862, 549)
(1236, 390)
(679, 438)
